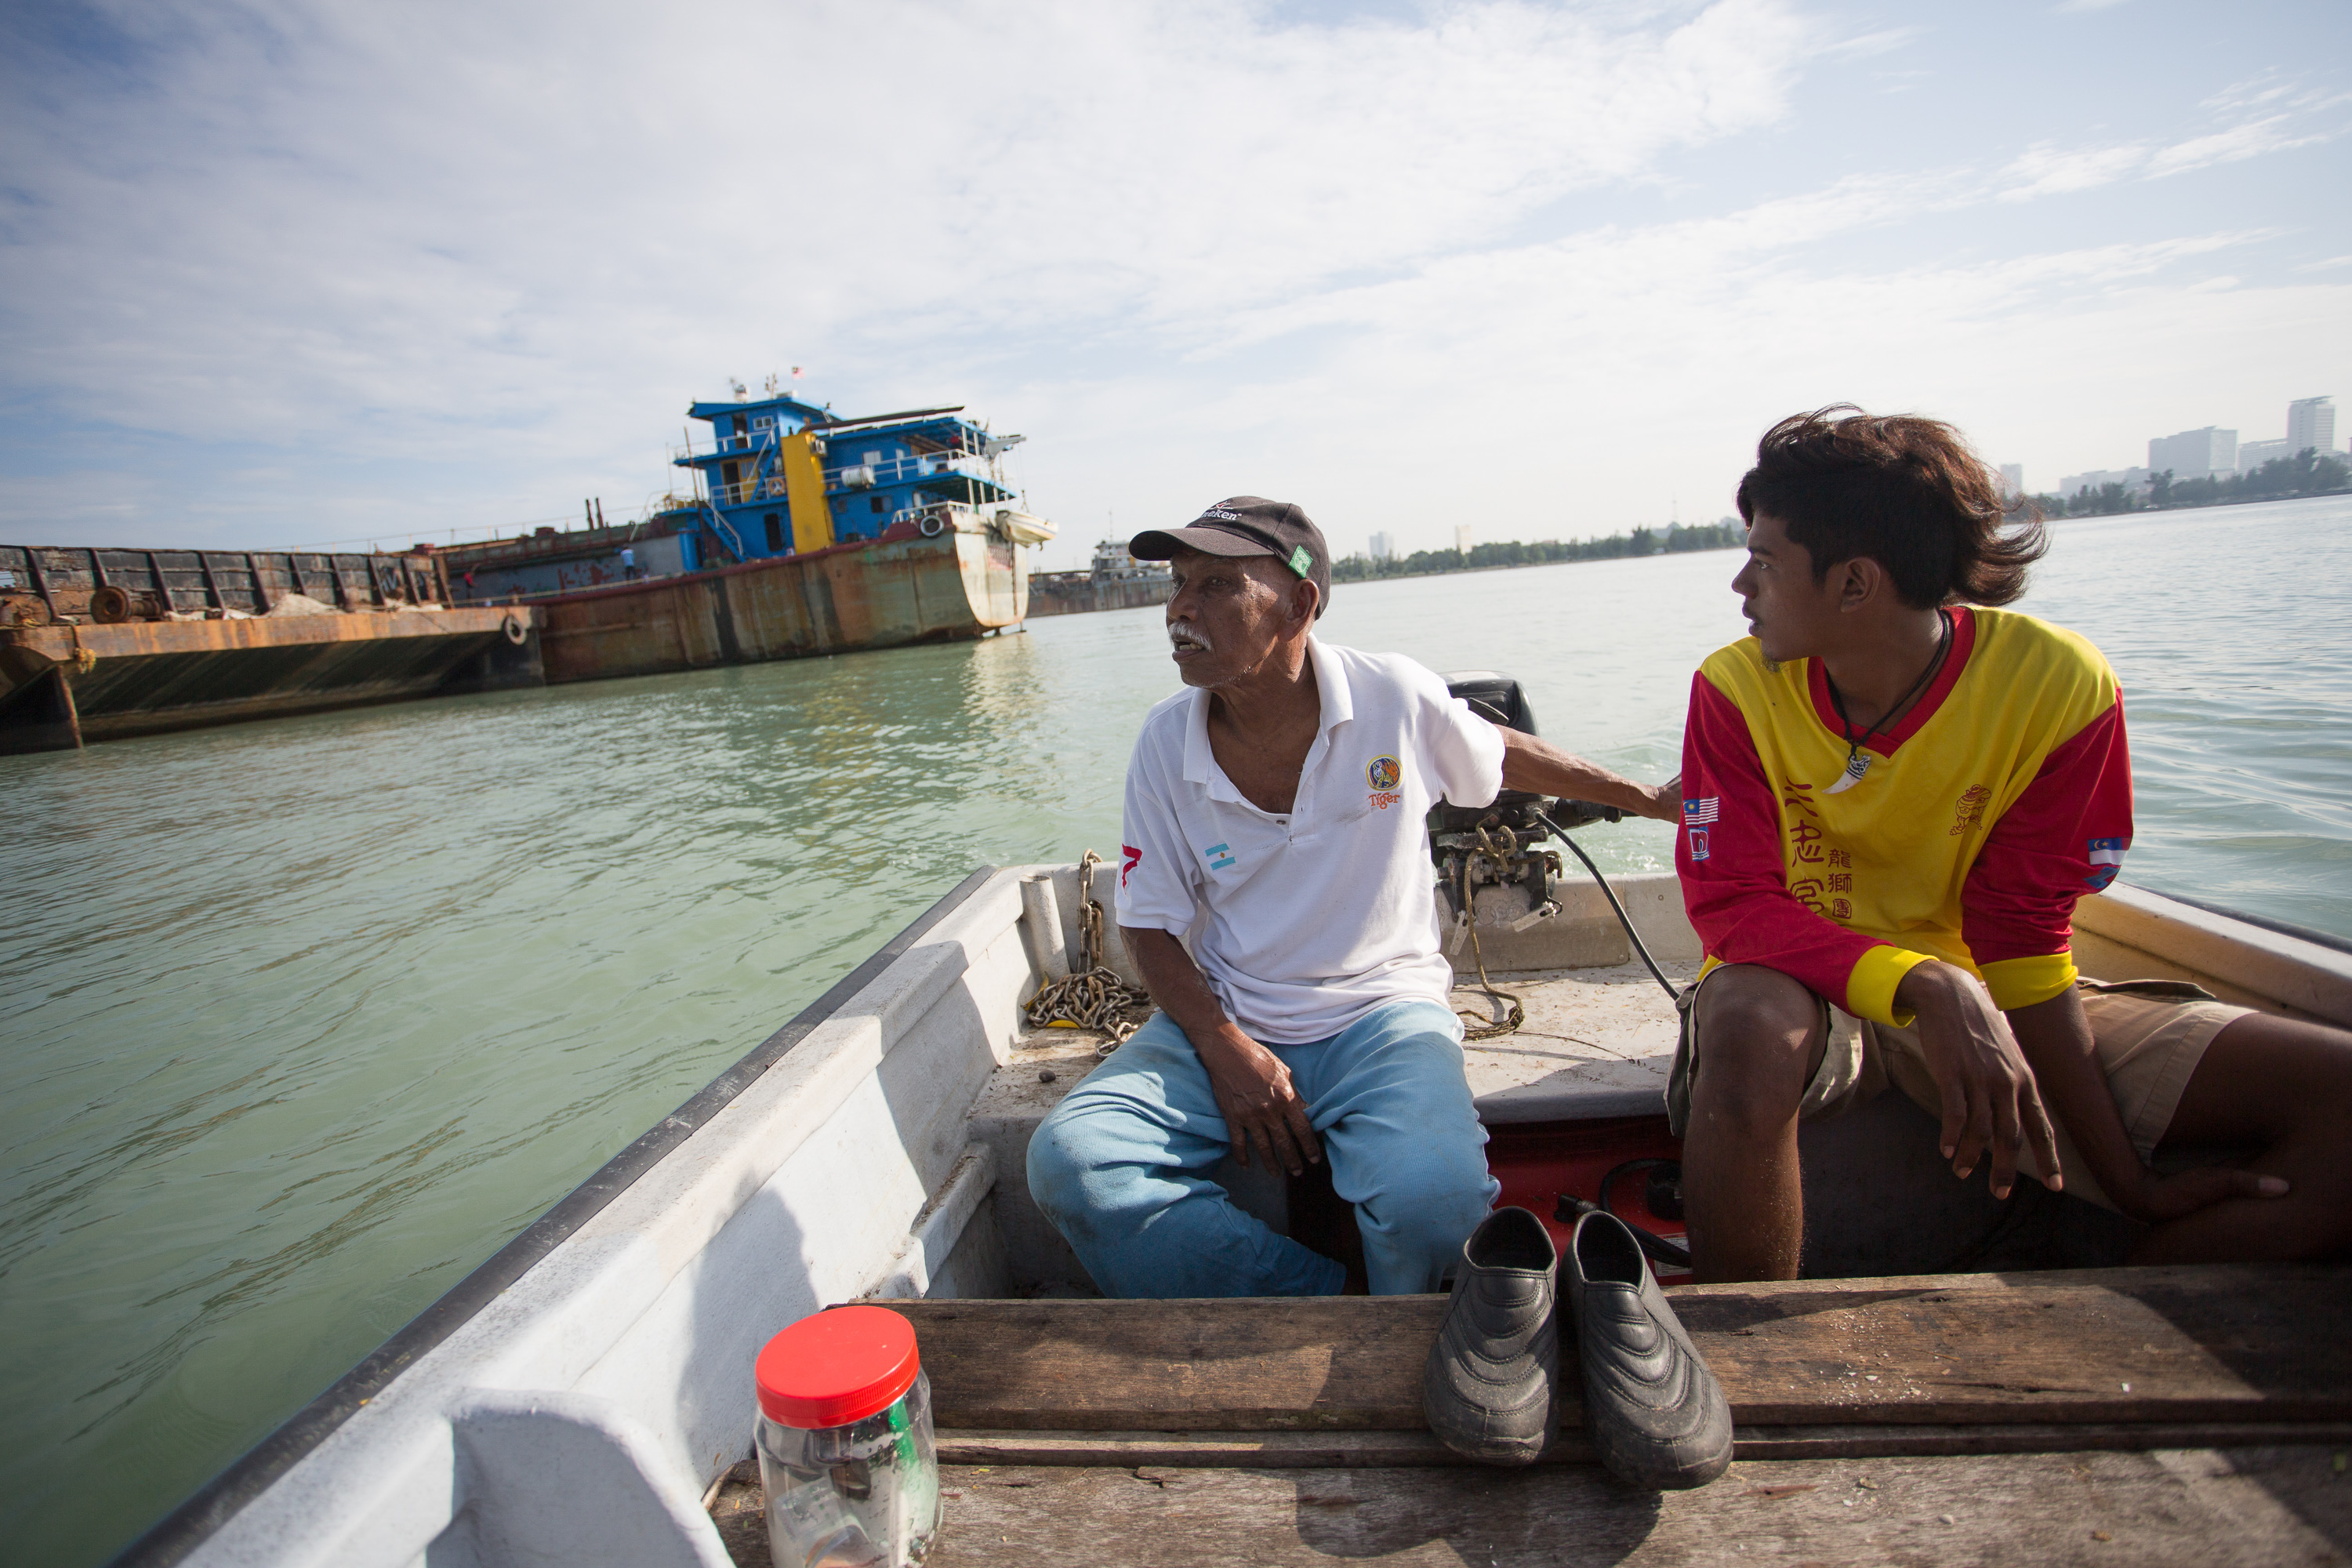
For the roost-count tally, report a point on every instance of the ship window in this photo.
(739, 425)
(762, 421)
(775, 530)
(874, 502)
(872, 459)
(730, 473)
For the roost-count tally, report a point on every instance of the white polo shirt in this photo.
(1304, 922)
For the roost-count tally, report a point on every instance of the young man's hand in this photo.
(1255, 1097)
(2160, 1198)
(1991, 1100)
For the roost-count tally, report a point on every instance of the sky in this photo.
(278, 274)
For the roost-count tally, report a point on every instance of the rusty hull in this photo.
(866, 593)
(63, 685)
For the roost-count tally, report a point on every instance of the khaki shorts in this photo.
(2149, 1036)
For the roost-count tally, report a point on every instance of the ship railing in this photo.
(761, 488)
(922, 466)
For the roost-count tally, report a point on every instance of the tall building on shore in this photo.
(2195, 454)
(1461, 537)
(2075, 484)
(2311, 422)
(1383, 548)
(2253, 455)
(2013, 480)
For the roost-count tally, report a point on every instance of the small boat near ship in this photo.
(1115, 579)
(1972, 1373)
(805, 534)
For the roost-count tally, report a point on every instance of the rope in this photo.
(1506, 1021)
(1092, 997)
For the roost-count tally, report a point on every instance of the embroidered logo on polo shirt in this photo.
(1384, 773)
(1220, 857)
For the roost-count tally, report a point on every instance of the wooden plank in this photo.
(1376, 1449)
(2213, 1344)
(2179, 1345)
(2250, 1506)
(1308, 1362)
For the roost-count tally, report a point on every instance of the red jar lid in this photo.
(837, 1367)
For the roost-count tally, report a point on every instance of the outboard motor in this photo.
(1489, 858)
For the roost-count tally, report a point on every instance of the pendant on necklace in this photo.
(1857, 762)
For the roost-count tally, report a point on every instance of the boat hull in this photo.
(862, 594)
(577, 1395)
(63, 686)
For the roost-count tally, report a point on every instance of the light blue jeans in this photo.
(1122, 1167)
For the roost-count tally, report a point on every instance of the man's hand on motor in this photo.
(1256, 1097)
(1991, 1100)
(1541, 768)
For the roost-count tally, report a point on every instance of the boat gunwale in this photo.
(193, 1520)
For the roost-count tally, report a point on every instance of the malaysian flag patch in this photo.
(1699, 813)
(2106, 855)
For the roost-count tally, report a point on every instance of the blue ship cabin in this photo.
(782, 477)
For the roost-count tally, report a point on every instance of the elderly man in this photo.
(1275, 812)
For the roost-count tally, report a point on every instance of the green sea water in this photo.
(304, 1019)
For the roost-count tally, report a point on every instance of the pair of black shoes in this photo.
(1651, 1407)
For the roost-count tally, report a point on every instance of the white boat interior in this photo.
(578, 1399)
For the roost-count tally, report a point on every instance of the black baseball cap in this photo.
(1248, 525)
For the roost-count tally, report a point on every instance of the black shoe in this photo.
(1651, 1407)
(1487, 1385)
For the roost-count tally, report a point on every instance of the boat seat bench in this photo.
(2068, 1373)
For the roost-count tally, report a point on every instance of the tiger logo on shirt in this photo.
(1384, 773)
(1970, 809)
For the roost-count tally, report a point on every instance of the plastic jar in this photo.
(845, 1448)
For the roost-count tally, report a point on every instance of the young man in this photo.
(1891, 799)
(1274, 818)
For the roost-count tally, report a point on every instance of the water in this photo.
(306, 1018)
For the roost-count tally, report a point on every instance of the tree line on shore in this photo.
(1672, 540)
(2309, 472)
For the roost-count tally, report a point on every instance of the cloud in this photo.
(2045, 170)
(300, 209)
(268, 266)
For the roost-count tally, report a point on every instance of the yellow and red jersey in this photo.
(2003, 797)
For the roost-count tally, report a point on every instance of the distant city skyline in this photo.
(2213, 451)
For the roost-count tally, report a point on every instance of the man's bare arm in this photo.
(2055, 1037)
(1541, 768)
(1253, 1088)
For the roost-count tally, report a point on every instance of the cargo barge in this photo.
(101, 645)
(803, 534)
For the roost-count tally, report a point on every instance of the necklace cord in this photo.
(1837, 700)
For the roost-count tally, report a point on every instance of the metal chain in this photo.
(1092, 997)
(1509, 1021)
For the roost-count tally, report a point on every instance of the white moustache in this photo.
(1185, 631)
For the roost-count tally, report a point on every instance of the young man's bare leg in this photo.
(1759, 1041)
(2287, 1086)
